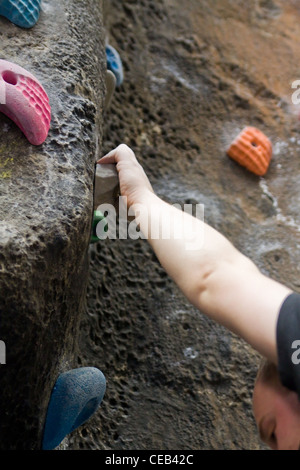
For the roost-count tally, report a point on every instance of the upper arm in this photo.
(241, 298)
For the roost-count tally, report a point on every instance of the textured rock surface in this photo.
(194, 77)
(46, 211)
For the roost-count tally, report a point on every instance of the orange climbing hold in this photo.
(252, 150)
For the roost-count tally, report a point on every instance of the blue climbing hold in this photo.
(23, 13)
(114, 63)
(75, 397)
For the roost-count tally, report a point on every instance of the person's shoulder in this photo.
(288, 342)
(291, 303)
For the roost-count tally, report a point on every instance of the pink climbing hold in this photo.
(24, 101)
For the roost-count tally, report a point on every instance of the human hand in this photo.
(134, 183)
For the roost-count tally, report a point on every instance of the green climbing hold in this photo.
(98, 217)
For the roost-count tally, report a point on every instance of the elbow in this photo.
(219, 277)
(202, 278)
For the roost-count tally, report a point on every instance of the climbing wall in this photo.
(47, 173)
(195, 74)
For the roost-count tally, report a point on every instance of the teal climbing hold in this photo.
(23, 13)
(76, 396)
(114, 63)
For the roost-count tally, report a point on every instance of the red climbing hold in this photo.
(24, 100)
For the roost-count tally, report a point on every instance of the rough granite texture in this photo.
(195, 74)
(46, 211)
